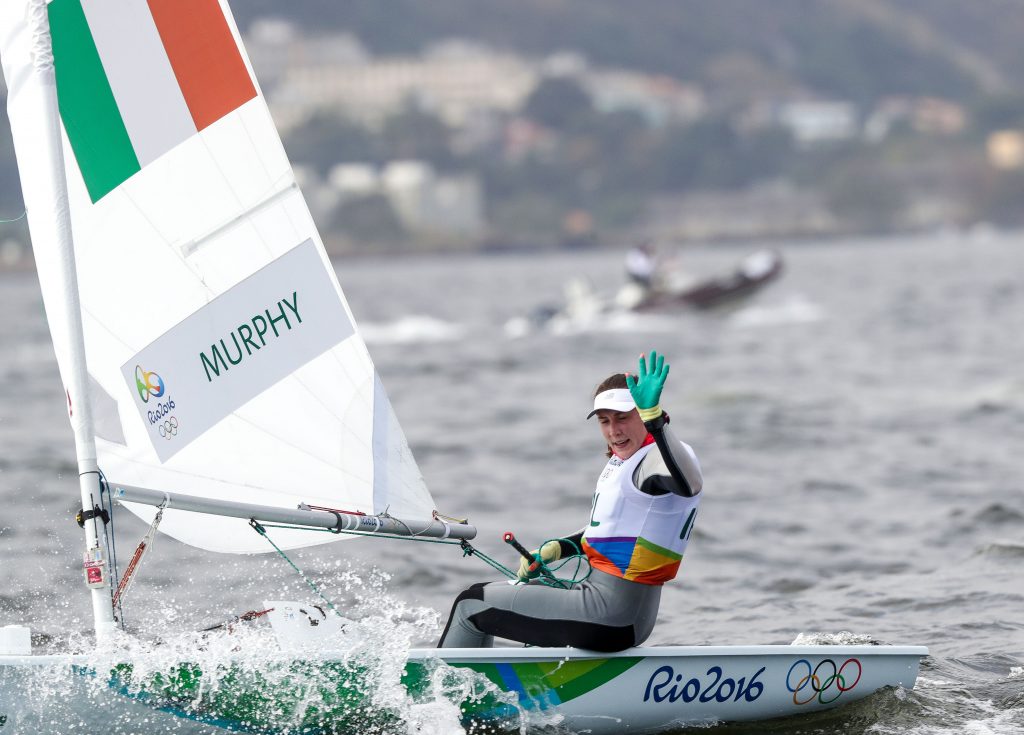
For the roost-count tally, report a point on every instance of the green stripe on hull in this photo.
(91, 117)
(331, 696)
(590, 680)
(557, 682)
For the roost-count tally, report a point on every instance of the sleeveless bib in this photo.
(634, 535)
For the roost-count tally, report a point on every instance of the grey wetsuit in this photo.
(604, 613)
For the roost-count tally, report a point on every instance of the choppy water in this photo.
(860, 426)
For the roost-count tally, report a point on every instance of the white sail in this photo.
(223, 358)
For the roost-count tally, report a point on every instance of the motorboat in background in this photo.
(671, 291)
(752, 273)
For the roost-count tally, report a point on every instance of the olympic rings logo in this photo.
(169, 428)
(825, 682)
(148, 384)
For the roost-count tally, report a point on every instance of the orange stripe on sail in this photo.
(204, 56)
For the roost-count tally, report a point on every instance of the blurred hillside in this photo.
(854, 49)
(545, 123)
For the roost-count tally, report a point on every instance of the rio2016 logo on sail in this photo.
(664, 685)
(824, 682)
(151, 385)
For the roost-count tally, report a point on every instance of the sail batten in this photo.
(190, 247)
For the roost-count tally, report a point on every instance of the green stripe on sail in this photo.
(91, 118)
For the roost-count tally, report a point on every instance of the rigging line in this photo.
(467, 548)
(369, 534)
(108, 502)
(19, 217)
(261, 530)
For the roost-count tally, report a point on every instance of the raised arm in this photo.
(675, 469)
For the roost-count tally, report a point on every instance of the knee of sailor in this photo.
(473, 592)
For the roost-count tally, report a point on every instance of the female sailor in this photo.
(643, 513)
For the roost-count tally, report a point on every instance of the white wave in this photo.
(564, 325)
(411, 329)
(240, 671)
(796, 309)
(842, 638)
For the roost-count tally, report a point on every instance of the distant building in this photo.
(438, 209)
(453, 82)
(443, 209)
(660, 100)
(354, 180)
(771, 210)
(813, 122)
(929, 115)
(938, 116)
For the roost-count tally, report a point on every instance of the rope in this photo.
(263, 532)
(372, 534)
(19, 217)
(108, 502)
(467, 550)
(566, 582)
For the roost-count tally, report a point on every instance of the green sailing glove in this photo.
(549, 552)
(646, 386)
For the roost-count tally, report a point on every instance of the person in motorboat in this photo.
(641, 270)
(641, 264)
(642, 516)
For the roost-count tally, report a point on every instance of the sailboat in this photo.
(216, 383)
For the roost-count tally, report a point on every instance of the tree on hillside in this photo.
(326, 140)
(558, 103)
(416, 134)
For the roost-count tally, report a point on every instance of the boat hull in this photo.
(643, 690)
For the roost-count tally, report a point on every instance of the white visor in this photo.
(616, 399)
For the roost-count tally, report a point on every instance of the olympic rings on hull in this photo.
(824, 682)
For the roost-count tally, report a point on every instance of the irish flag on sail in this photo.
(137, 77)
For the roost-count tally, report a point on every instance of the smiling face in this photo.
(623, 430)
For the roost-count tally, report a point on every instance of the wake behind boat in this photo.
(202, 411)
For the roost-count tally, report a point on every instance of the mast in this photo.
(37, 126)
